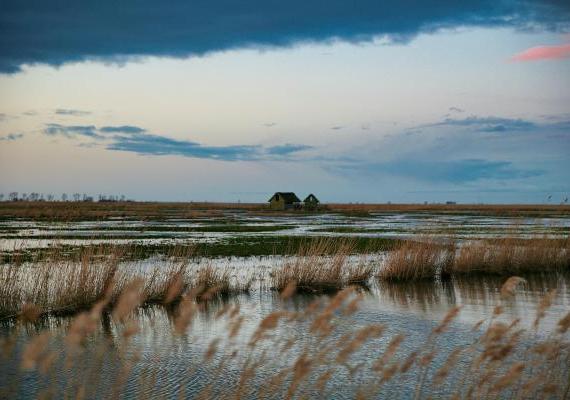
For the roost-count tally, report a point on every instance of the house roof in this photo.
(311, 198)
(289, 197)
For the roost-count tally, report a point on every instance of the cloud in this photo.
(12, 137)
(122, 129)
(287, 149)
(40, 31)
(543, 53)
(436, 171)
(75, 113)
(456, 109)
(72, 131)
(269, 124)
(484, 124)
(337, 128)
(137, 140)
(159, 145)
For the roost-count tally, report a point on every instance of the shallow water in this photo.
(168, 362)
(20, 234)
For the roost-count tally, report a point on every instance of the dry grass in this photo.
(68, 285)
(415, 260)
(512, 256)
(502, 361)
(213, 282)
(427, 258)
(321, 266)
(70, 211)
(480, 209)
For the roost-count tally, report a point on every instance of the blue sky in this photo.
(226, 101)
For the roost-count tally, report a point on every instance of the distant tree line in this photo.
(75, 197)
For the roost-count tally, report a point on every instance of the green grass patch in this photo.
(235, 246)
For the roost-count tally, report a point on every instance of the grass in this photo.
(416, 260)
(321, 266)
(62, 285)
(430, 259)
(510, 256)
(228, 247)
(66, 282)
(315, 352)
(79, 211)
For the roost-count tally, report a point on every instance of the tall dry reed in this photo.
(415, 260)
(510, 256)
(321, 266)
(502, 362)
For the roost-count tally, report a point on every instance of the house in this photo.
(284, 201)
(311, 202)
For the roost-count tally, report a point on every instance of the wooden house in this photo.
(311, 202)
(284, 201)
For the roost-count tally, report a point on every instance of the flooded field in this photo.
(159, 361)
(21, 233)
(241, 305)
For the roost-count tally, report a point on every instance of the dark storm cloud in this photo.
(136, 140)
(56, 32)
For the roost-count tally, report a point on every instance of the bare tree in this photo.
(64, 197)
(1, 196)
(50, 197)
(76, 196)
(13, 196)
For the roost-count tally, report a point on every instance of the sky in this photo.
(363, 101)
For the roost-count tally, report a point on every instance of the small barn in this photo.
(284, 201)
(311, 202)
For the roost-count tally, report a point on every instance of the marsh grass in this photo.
(417, 260)
(316, 355)
(431, 258)
(320, 266)
(510, 256)
(63, 285)
(213, 282)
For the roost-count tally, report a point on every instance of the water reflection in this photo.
(160, 361)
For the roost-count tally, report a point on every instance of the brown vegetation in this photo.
(415, 260)
(503, 362)
(512, 256)
(70, 211)
(62, 285)
(429, 258)
(321, 266)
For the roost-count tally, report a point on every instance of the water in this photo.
(20, 234)
(164, 362)
(158, 361)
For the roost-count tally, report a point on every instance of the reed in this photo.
(501, 362)
(321, 266)
(512, 256)
(417, 260)
(67, 285)
(213, 282)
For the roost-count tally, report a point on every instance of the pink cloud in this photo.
(543, 53)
